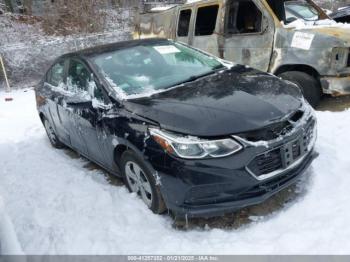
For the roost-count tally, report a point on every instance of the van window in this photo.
(206, 20)
(184, 22)
(244, 17)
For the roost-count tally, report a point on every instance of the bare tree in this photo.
(27, 4)
(75, 16)
(9, 5)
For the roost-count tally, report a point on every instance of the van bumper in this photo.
(336, 86)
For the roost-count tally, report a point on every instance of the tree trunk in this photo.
(27, 4)
(9, 5)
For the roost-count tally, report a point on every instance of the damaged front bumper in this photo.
(212, 187)
(253, 194)
(336, 86)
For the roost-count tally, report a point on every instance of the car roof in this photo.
(115, 46)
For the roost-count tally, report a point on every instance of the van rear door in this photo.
(206, 28)
(185, 25)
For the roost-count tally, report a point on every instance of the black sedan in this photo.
(186, 131)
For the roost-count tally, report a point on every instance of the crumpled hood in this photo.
(325, 28)
(337, 32)
(229, 102)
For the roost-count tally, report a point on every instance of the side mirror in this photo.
(79, 102)
(291, 20)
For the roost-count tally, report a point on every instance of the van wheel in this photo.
(309, 85)
(55, 142)
(141, 181)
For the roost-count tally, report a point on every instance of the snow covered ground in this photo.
(8, 239)
(58, 206)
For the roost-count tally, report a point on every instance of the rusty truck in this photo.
(295, 40)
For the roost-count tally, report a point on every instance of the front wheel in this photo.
(308, 84)
(140, 180)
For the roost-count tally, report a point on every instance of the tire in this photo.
(136, 176)
(308, 84)
(55, 142)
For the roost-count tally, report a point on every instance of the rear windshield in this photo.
(150, 68)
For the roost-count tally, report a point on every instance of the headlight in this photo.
(193, 147)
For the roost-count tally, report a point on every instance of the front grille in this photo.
(308, 135)
(266, 163)
(285, 155)
(296, 150)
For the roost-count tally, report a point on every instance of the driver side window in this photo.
(244, 17)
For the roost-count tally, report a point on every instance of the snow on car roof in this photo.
(116, 46)
(162, 8)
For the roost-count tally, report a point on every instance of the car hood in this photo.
(341, 33)
(231, 101)
(328, 32)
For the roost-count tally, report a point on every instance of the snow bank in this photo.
(60, 206)
(9, 244)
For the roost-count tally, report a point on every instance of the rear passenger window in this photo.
(56, 74)
(244, 17)
(206, 20)
(184, 22)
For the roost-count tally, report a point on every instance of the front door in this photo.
(249, 34)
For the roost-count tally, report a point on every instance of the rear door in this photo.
(185, 25)
(206, 33)
(249, 34)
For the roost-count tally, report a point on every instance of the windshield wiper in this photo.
(196, 77)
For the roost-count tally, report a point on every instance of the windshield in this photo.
(150, 68)
(300, 10)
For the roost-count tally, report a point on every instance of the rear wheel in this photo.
(308, 84)
(140, 180)
(55, 142)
